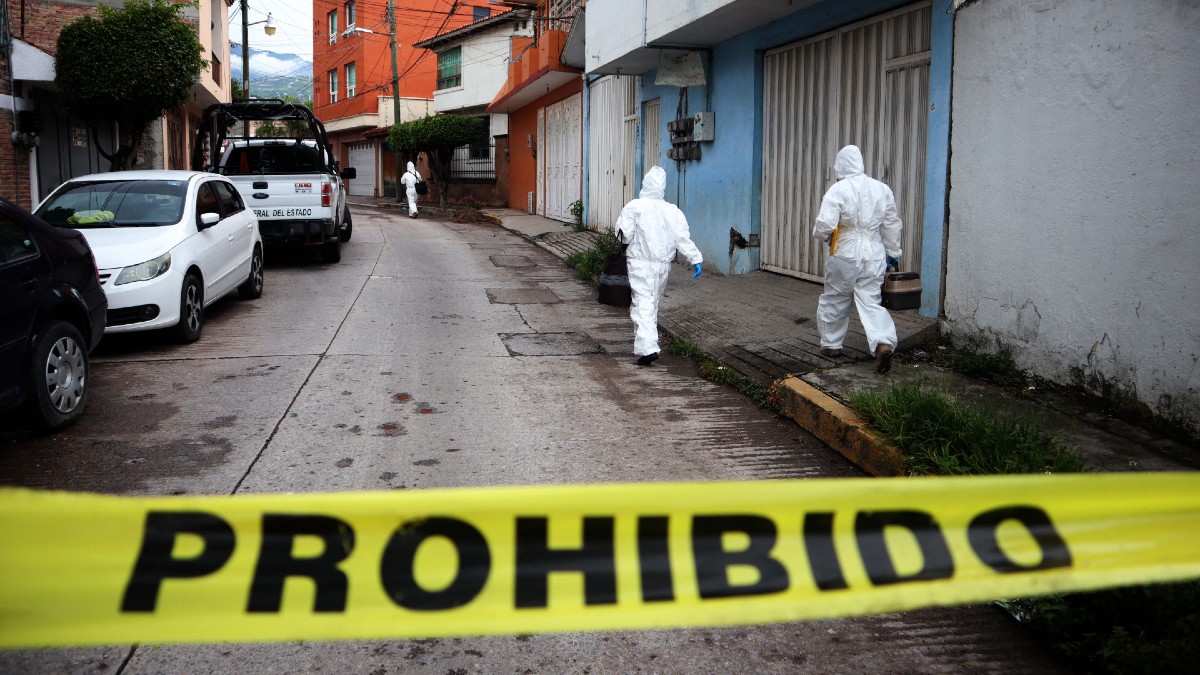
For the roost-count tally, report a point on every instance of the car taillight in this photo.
(326, 194)
(95, 266)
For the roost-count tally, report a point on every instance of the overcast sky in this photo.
(292, 19)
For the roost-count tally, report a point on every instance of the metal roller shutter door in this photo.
(362, 158)
(865, 84)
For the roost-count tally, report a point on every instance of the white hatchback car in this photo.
(167, 244)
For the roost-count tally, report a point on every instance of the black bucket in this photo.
(614, 282)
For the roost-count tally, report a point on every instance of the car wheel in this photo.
(57, 376)
(347, 226)
(331, 251)
(191, 310)
(252, 287)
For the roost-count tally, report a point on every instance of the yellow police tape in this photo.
(79, 569)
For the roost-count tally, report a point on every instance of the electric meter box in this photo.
(703, 127)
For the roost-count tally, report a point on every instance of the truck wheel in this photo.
(252, 287)
(56, 377)
(331, 251)
(347, 226)
(191, 310)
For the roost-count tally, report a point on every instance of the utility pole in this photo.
(391, 10)
(245, 62)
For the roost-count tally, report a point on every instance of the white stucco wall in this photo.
(1074, 212)
(485, 68)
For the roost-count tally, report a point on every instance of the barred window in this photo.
(450, 68)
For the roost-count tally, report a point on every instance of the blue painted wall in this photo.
(722, 190)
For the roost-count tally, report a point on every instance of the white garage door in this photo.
(866, 84)
(362, 158)
(612, 147)
(562, 156)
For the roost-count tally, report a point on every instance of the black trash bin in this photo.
(614, 282)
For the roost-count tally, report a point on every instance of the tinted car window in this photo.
(231, 201)
(15, 242)
(117, 203)
(207, 201)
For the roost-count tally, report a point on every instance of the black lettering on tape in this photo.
(536, 560)
(654, 559)
(982, 535)
(822, 555)
(399, 579)
(869, 529)
(713, 561)
(156, 564)
(276, 561)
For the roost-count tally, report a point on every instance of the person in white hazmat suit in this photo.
(410, 180)
(859, 222)
(654, 230)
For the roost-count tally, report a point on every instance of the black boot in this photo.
(647, 359)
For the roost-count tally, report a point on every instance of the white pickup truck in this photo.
(293, 185)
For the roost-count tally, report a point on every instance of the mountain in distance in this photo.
(274, 74)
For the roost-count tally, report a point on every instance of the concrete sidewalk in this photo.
(762, 325)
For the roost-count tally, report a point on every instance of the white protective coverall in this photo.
(864, 211)
(654, 229)
(410, 180)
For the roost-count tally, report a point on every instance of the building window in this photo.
(350, 80)
(449, 68)
(350, 15)
(333, 89)
(333, 27)
(480, 13)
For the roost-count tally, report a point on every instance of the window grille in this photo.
(474, 162)
(450, 68)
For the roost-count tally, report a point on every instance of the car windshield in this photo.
(115, 203)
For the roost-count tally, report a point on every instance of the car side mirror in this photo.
(207, 220)
(349, 173)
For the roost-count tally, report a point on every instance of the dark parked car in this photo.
(52, 310)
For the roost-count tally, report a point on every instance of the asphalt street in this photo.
(440, 354)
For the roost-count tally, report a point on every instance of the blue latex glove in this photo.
(696, 270)
(893, 264)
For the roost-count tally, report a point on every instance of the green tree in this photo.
(129, 65)
(235, 89)
(437, 136)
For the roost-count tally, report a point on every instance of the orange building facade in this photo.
(543, 98)
(352, 76)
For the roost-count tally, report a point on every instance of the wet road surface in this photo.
(437, 355)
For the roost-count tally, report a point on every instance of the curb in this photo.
(435, 211)
(839, 427)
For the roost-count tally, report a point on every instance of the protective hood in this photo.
(849, 162)
(413, 169)
(654, 185)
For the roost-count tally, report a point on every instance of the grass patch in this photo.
(1138, 629)
(941, 436)
(590, 263)
(712, 370)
